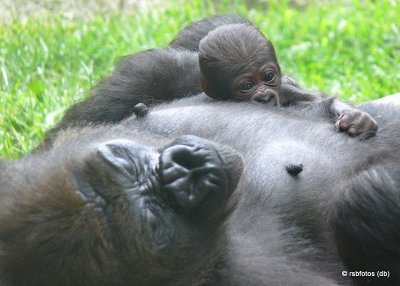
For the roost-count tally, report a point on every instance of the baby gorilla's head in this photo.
(238, 63)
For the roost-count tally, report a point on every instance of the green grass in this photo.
(349, 49)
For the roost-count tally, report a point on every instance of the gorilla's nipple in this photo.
(294, 169)
(140, 110)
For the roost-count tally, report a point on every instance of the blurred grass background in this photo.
(52, 52)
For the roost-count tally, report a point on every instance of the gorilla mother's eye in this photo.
(269, 76)
(245, 87)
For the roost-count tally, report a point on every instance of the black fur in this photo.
(190, 37)
(147, 77)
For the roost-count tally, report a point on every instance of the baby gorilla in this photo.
(238, 63)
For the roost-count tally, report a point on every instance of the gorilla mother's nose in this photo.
(192, 170)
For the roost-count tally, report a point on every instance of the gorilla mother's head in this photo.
(106, 206)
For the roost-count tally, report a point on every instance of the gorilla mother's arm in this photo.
(148, 77)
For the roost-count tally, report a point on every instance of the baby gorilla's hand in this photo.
(356, 123)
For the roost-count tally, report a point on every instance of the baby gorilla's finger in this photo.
(368, 127)
(346, 120)
(365, 126)
(357, 123)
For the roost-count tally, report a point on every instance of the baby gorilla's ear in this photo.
(207, 88)
(290, 81)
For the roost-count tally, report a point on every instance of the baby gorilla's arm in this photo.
(347, 118)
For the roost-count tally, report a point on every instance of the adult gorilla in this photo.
(92, 210)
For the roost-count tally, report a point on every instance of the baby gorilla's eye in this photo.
(246, 86)
(269, 76)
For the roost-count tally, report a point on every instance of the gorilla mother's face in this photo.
(117, 213)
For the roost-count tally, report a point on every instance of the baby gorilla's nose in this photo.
(267, 96)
